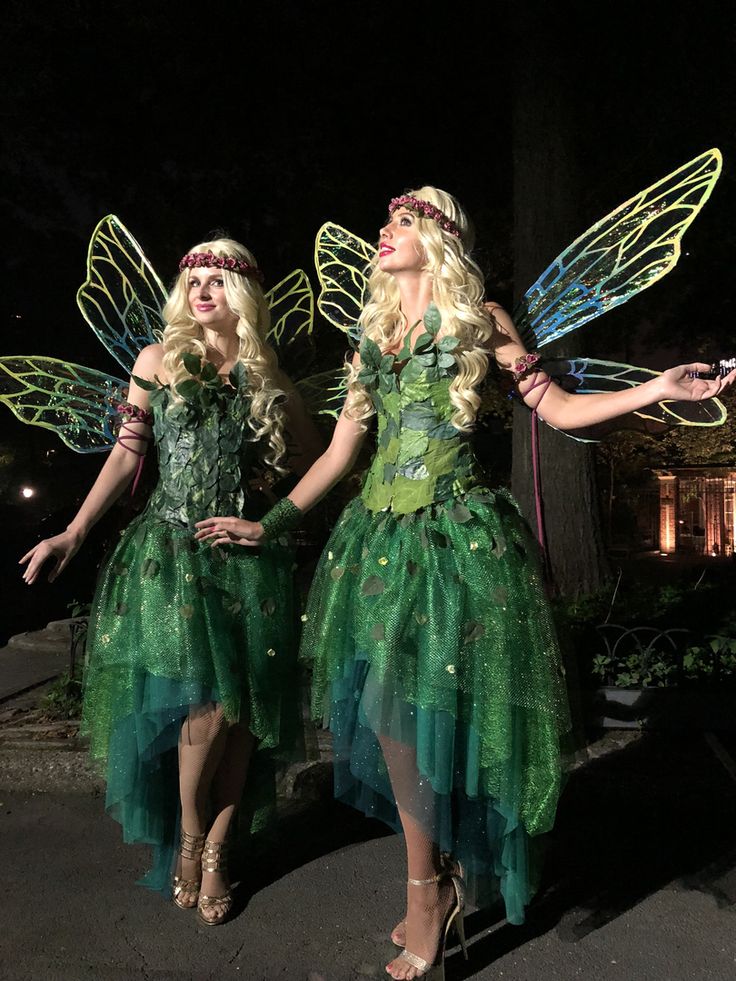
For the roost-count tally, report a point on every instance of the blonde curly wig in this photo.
(245, 298)
(457, 288)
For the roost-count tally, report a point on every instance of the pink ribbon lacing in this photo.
(543, 383)
(128, 435)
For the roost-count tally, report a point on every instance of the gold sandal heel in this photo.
(458, 920)
(449, 866)
(435, 971)
(214, 859)
(190, 848)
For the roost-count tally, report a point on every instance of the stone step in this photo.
(30, 658)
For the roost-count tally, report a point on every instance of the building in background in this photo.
(696, 510)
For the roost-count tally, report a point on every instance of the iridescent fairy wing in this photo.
(122, 299)
(73, 401)
(342, 260)
(588, 375)
(624, 253)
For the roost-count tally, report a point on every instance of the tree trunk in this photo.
(547, 188)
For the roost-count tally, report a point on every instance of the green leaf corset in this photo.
(205, 447)
(421, 458)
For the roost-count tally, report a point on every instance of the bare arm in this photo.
(114, 477)
(328, 469)
(565, 410)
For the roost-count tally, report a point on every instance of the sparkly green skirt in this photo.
(434, 657)
(176, 625)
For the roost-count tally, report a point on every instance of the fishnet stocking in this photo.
(427, 905)
(213, 764)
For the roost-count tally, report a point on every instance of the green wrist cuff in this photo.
(283, 516)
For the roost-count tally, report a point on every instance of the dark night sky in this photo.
(270, 119)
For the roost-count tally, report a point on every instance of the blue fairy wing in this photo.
(122, 299)
(73, 401)
(342, 260)
(588, 375)
(624, 253)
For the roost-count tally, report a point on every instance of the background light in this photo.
(27, 492)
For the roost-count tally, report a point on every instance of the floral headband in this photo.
(208, 260)
(426, 210)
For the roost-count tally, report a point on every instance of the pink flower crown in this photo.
(426, 210)
(209, 260)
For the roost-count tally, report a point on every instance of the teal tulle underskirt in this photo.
(177, 626)
(436, 667)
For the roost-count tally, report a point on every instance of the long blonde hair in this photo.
(245, 298)
(457, 285)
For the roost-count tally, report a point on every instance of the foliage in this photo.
(661, 661)
(634, 454)
(648, 635)
(63, 700)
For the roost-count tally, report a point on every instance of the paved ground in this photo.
(640, 879)
(34, 657)
(640, 885)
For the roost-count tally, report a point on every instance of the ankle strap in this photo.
(190, 846)
(426, 882)
(214, 856)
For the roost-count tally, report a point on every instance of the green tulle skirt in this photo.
(434, 656)
(177, 625)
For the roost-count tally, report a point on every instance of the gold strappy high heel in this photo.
(214, 859)
(448, 866)
(190, 848)
(435, 971)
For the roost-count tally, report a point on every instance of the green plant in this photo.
(63, 700)
(716, 659)
(638, 657)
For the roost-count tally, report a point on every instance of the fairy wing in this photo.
(291, 302)
(122, 298)
(619, 256)
(323, 393)
(342, 260)
(588, 375)
(73, 401)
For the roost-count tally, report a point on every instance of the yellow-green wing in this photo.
(324, 393)
(122, 299)
(621, 255)
(71, 400)
(292, 309)
(342, 260)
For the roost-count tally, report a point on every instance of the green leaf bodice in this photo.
(421, 458)
(205, 450)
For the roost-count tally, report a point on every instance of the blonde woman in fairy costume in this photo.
(191, 649)
(435, 660)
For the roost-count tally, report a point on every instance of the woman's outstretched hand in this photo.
(229, 531)
(61, 547)
(679, 384)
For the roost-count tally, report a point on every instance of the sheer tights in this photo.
(213, 764)
(427, 905)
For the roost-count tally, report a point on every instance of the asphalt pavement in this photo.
(640, 884)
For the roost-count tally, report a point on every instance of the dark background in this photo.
(268, 120)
